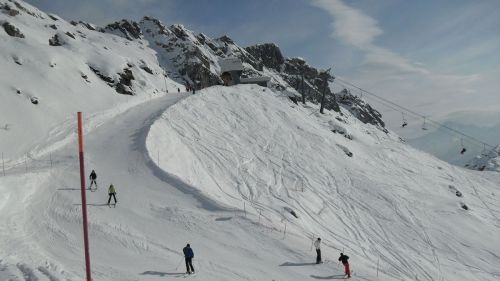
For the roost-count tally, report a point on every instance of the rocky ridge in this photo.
(193, 58)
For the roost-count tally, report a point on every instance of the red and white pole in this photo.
(84, 198)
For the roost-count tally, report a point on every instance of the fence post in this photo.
(3, 165)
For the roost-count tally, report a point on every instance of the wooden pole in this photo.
(84, 199)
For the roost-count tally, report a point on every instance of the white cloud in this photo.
(350, 25)
(400, 79)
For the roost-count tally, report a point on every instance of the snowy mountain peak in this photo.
(125, 28)
(486, 161)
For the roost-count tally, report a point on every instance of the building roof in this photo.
(255, 79)
(230, 64)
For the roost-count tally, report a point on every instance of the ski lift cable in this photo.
(383, 103)
(402, 108)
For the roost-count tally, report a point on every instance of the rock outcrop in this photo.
(12, 30)
(193, 59)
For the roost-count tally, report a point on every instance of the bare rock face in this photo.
(268, 55)
(193, 58)
(12, 30)
(56, 41)
(359, 108)
(9, 10)
(128, 29)
(124, 84)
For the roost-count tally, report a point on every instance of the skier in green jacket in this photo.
(112, 192)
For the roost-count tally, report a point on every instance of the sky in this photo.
(439, 58)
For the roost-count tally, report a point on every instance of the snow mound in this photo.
(369, 195)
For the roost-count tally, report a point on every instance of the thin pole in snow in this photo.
(260, 213)
(26, 162)
(377, 264)
(245, 208)
(284, 233)
(3, 165)
(50, 157)
(84, 199)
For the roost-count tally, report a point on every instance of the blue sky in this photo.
(440, 58)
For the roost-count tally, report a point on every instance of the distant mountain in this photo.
(47, 61)
(193, 58)
(447, 146)
(487, 161)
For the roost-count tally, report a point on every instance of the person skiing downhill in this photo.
(188, 256)
(93, 177)
(317, 245)
(112, 193)
(344, 259)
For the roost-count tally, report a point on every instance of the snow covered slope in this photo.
(64, 68)
(244, 175)
(418, 216)
(247, 159)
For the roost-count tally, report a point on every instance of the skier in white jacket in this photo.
(317, 245)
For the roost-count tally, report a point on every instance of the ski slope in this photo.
(142, 238)
(370, 205)
(388, 204)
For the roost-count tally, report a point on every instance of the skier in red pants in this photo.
(344, 259)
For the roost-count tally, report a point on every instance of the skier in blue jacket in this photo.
(188, 256)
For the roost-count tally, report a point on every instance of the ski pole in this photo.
(179, 263)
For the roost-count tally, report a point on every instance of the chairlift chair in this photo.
(484, 152)
(423, 126)
(463, 147)
(404, 121)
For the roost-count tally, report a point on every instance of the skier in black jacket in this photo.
(344, 259)
(188, 256)
(93, 177)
